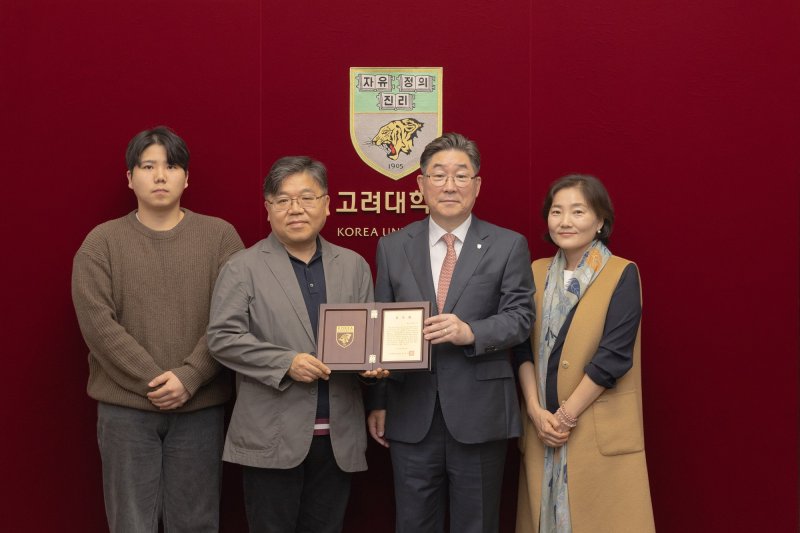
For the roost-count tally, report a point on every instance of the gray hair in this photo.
(451, 141)
(287, 166)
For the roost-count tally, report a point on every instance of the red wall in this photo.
(688, 111)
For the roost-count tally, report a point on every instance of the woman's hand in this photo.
(548, 428)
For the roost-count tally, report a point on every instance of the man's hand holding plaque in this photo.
(307, 368)
(378, 373)
(448, 328)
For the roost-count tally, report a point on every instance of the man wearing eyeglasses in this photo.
(297, 429)
(447, 430)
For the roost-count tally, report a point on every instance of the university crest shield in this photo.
(344, 335)
(394, 113)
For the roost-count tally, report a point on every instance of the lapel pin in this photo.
(479, 246)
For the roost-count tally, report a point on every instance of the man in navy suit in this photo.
(447, 430)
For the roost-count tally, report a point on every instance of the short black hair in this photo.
(177, 152)
(596, 196)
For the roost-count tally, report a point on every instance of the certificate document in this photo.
(401, 335)
(359, 337)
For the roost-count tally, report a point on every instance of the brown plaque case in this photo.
(350, 336)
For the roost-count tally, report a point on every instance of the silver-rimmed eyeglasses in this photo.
(460, 180)
(305, 201)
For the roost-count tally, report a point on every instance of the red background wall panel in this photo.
(78, 80)
(687, 111)
(486, 91)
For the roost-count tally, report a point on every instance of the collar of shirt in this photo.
(439, 247)
(317, 255)
(435, 233)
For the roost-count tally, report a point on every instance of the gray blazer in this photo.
(258, 324)
(492, 290)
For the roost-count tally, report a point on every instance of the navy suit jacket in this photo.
(491, 290)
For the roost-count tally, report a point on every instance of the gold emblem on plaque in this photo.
(344, 335)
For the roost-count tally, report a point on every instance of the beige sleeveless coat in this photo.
(606, 468)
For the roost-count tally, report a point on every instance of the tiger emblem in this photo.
(397, 137)
(345, 335)
(344, 339)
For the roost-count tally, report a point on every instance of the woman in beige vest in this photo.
(583, 463)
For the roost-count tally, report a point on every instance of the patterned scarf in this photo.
(558, 301)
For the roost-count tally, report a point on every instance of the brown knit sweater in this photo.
(142, 300)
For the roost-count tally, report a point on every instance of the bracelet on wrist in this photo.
(564, 417)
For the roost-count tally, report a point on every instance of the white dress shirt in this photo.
(439, 247)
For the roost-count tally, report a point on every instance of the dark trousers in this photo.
(440, 470)
(309, 498)
(161, 464)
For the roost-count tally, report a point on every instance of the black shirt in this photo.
(311, 279)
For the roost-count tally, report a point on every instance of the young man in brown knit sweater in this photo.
(141, 285)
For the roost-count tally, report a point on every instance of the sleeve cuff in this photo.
(190, 379)
(376, 397)
(600, 376)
